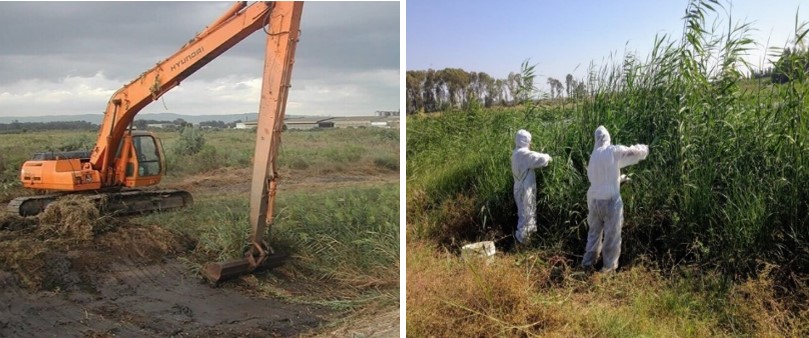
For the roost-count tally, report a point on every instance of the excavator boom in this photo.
(236, 24)
(280, 56)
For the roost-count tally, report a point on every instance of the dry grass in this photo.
(50, 251)
(72, 216)
(770, 314)
(535, 293)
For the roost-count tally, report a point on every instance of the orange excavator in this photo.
(124, 158)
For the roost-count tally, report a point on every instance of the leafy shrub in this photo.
(190, 142)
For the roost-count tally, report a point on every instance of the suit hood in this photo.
(602, 137)
(522, 139)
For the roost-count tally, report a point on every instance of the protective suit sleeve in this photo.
(626, 156)
(538, 160)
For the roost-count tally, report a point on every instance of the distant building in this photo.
(303, 123)
(387, 113)
(388, 122)
(247, 125)
(352, 121)
(158, 125)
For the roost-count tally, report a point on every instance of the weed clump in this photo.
(387, 162)
(72, 216)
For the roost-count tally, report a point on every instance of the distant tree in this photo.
(556, 87)
(54, 125)
(431, 91)
(456, 81)
(792, 65)
(414, 82)
(181, 123)
(140, 124)
(570, 84)
(513, 84)
(213, 124)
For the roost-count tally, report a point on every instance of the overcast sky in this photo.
(62, 58)
(563, 37)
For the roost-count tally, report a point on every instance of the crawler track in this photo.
(120, 202)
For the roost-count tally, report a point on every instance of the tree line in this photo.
(17, 126)
(141, 124)
(435, 90)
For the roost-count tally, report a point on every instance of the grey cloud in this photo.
(125, 38)
(49, 41)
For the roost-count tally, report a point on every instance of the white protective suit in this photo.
(523, 163)
(606, 209)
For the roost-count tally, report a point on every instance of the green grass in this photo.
(321, 152)
(326, 152)
(347, 238)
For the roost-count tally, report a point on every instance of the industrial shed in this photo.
(352, 121)
(304, 123)
(389, 121)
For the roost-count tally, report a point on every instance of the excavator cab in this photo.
(140, 159)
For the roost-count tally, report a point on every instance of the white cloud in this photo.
(359, 93)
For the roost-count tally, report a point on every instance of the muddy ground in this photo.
(132, 281)
(128, 282)
(157, 300)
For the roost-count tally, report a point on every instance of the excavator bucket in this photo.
(218, 272)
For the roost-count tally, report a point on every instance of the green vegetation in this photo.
(714, 234)
(190, 142)
(347, 238)
(326, 152)
(336, 212)
(724, 178)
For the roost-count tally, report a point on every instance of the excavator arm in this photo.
(280, 56)
(124, 158)
(232, 27)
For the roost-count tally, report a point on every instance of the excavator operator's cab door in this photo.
(145, 164)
